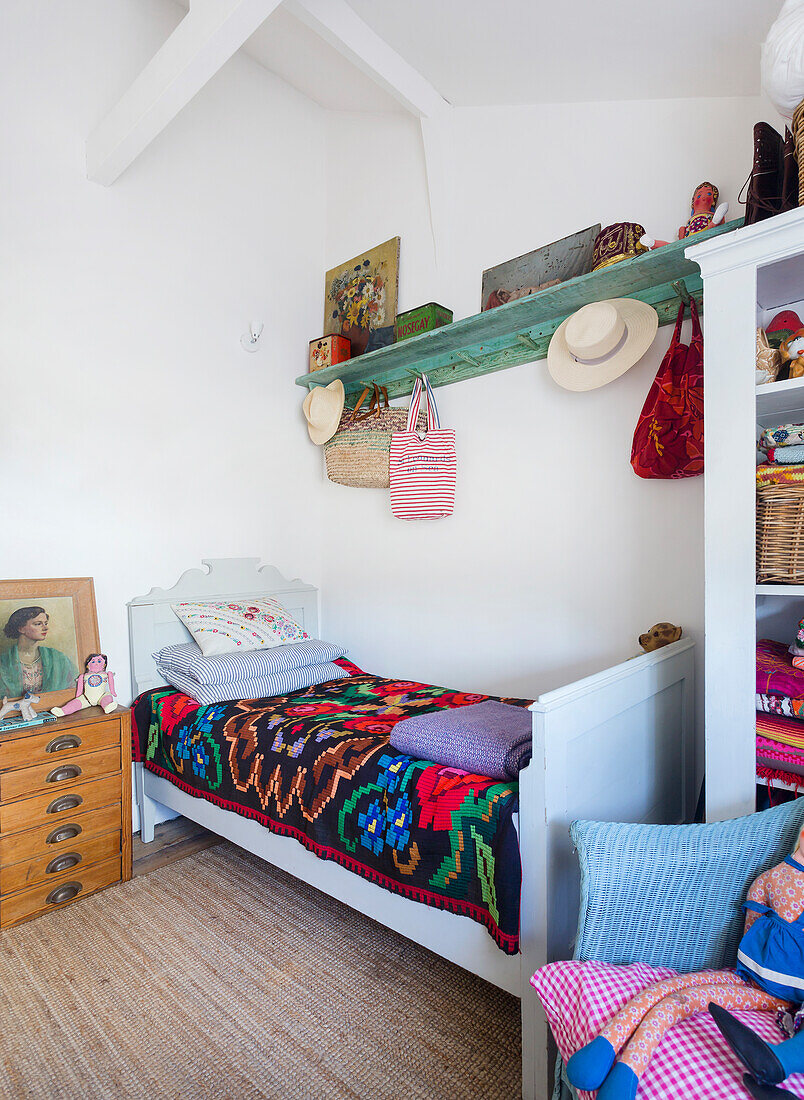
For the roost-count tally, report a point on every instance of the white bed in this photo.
(617, 746)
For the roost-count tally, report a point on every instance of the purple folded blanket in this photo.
(491, 738)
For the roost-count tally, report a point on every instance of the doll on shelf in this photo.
(769, 977)
(94, 688)
(704, 213)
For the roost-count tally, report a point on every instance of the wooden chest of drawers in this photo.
(65, 811)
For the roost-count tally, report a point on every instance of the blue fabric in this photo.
(672, 895)
(256, 687)
(621, 1084)
(491, 738)
(228, 668)
(771, 953)
(589, 1067)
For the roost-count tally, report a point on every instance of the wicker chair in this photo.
(671, 895)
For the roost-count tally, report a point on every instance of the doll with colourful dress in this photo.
(769, 977)
(704, 213)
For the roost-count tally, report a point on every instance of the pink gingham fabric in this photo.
(693, 1059)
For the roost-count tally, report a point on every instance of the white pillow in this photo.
(235, 626)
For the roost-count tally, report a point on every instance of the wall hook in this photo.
(250, 340)
(680, 288)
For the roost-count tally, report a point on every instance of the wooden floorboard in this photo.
(173, 840)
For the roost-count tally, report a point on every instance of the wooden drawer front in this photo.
(52, 807)
(68, 863)
(59, 773)
(59, 836)
(54, 745)
(54, 895)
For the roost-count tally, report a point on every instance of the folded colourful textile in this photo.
(775, 672)
(227, 668)
(265, 686)
(786, 456)
(783, 435)
(780, 729)
(782, 705)
(771, 474)
(492, 739)
(781, 758)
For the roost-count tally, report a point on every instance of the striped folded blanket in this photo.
(254, 674)
(491, 738)
(781, 730)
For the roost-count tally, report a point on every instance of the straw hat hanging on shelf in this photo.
(322, 407)
(600, 342)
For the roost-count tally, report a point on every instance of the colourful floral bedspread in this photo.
(317, 765)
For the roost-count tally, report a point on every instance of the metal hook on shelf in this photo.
(680, 287)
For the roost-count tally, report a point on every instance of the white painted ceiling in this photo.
(508, 52)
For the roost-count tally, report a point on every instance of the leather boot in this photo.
(764, 198)
(789, 173)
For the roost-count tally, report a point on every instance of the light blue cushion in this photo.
(671, 895)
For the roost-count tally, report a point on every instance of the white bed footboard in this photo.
(614, 747)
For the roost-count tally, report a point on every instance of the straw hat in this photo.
(600, 342)
(323, 406)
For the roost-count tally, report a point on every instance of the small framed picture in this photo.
(47, 628)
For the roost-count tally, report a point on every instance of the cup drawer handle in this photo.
(68, 802)
(65, 741)
(62, 774)
(62, 863)
(66, 892)
(64, 832)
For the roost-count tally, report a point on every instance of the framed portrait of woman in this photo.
(47, 628)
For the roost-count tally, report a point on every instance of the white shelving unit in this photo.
(748, 276)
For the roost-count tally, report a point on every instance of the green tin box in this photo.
(413, 322)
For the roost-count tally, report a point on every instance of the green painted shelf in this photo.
(520, 331)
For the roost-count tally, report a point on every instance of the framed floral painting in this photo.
(361, 296)
(47, 628)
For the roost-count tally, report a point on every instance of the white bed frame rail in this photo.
(616, 746)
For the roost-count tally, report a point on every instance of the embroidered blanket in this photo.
(316, 764)
(775, 672)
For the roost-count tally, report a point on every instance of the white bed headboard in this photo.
(152, 624)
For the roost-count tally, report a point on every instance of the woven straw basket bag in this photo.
(358, 453)
(780, 534)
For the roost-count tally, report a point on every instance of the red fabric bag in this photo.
(668, 441)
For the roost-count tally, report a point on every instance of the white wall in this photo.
(557, 556)
(137, 436)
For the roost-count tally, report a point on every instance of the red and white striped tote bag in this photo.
(423, 465)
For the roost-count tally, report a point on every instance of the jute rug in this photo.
(219, 976)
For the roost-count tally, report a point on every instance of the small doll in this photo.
(769, 976)
(792, 352)
(704, 213)
(94, 688)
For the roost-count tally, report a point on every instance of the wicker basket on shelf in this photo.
(797, 127)
(780, 534)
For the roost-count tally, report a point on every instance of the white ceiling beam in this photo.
(211, 32)
(339, 25)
